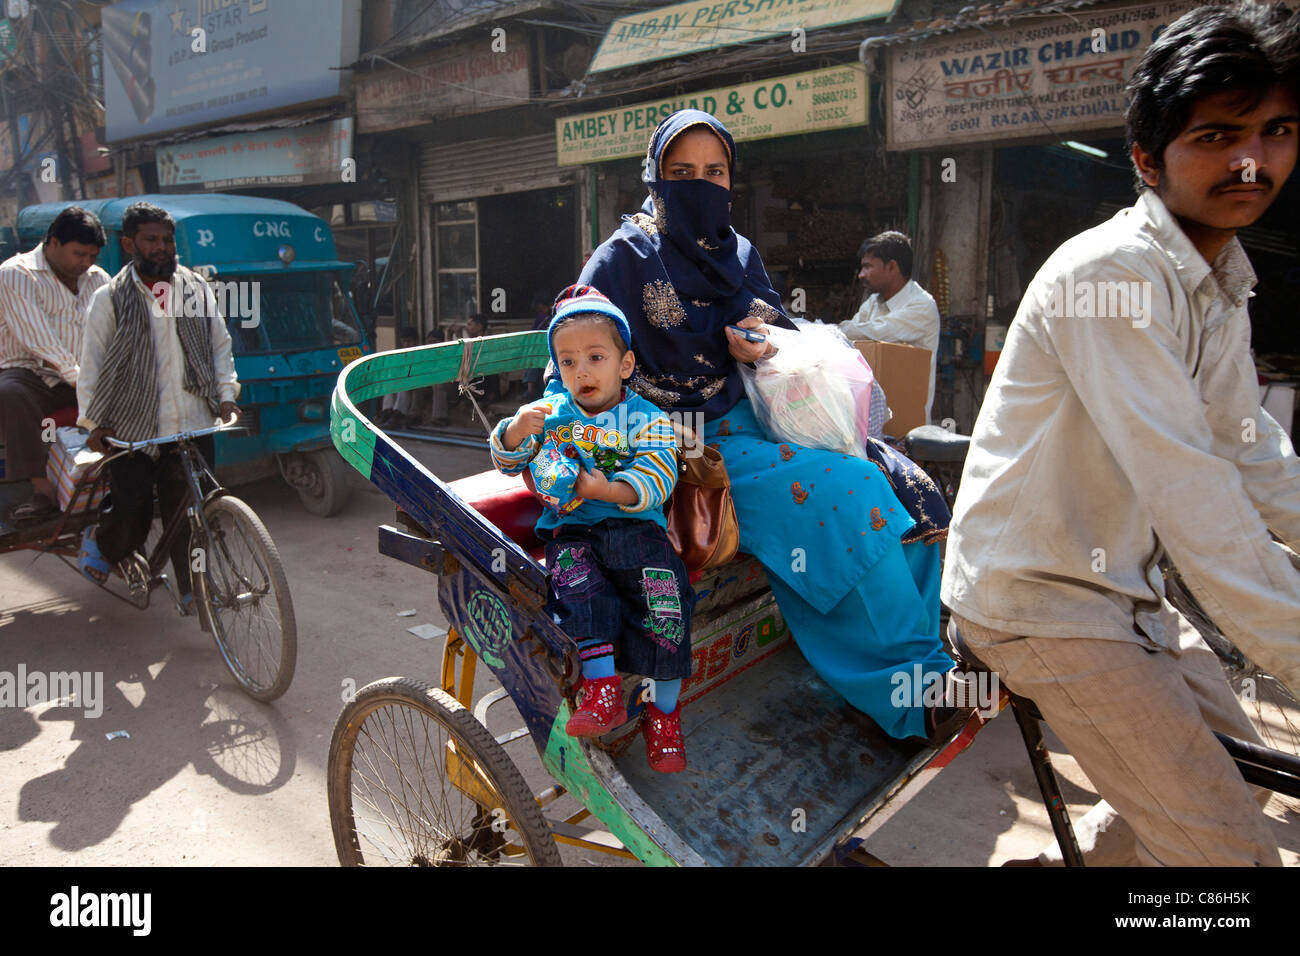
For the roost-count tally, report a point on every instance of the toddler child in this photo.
(617, 586)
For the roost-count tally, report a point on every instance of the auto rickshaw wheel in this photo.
(322, 482)
(415, 780)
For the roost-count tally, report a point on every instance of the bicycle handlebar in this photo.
(166, 439)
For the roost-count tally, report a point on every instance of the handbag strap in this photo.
(698, 463)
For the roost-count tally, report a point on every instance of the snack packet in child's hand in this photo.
(555, 470)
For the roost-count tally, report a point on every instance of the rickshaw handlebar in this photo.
(166, 439)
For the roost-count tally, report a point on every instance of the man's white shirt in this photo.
(1106, 441)
(908, 317)
(178, 409)
(41, 319)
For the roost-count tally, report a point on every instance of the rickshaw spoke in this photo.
(402, 805)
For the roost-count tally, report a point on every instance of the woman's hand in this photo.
(743, 350)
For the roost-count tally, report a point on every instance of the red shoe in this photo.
(601, 709)
(663, 739)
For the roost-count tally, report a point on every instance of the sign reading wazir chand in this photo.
(784, 106)
(692, 27)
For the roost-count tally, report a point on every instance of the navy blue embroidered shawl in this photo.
(680, 274)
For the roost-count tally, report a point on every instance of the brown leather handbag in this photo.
(702, 524)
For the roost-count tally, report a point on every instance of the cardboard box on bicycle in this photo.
(903, 371)
(67, 462)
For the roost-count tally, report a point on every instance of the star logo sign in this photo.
(177, 17)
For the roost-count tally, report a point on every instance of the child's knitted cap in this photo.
(577, 299)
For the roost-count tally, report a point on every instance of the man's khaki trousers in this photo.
(1139, 720)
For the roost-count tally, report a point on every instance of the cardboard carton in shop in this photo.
(903, 371)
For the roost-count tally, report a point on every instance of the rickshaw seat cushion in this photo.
(508, 504)
(65, 417)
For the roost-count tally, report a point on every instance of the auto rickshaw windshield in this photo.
(282, 312)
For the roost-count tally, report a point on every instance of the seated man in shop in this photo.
(897, 309)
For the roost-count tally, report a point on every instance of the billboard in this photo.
(170, 64)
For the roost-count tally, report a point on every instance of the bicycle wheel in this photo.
(415, 780)
(243, 594)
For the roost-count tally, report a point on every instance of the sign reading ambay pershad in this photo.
(692, 27)
(803, 103)
(1049, 77)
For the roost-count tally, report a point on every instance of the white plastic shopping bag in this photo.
(815, 391)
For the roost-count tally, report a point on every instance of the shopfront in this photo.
(504, 228)
(1021, 132)
(496, 221)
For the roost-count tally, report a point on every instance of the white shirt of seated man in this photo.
(898, 311)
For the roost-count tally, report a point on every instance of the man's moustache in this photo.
(1261, 179)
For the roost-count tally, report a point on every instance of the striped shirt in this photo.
(41, 320)
(633, 442)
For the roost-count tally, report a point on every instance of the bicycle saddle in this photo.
(932, 443)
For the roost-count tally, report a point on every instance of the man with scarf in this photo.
(150, 367)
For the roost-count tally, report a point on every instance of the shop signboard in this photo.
(665, 32)
(170, 64)
(1054, 77)
(468, 78)
(826, 99)
(272, 157)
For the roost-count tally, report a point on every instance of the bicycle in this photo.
(240, 590)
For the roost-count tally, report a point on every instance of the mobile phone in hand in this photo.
(749, 334)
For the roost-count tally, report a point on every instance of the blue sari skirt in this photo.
(862, 606)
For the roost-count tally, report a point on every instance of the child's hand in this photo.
(592, 485)
(529, 420)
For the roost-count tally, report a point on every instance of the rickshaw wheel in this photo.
(244, 595)
(326, 491)
(415, 780)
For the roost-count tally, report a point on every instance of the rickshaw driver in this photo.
(1108, 440)
(149, 369)
(43, 299)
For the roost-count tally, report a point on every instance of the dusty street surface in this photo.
(210, 777)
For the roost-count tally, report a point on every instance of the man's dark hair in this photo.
(142, 213)
(481, 318)
(1250, 48)
(75, 224)
(890, 247)
(406, 332)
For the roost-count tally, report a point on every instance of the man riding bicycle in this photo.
(1123, 426)
(155, 360)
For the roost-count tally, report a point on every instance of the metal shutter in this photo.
(488, 167)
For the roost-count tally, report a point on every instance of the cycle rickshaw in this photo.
(782, 770)
(241, 594)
